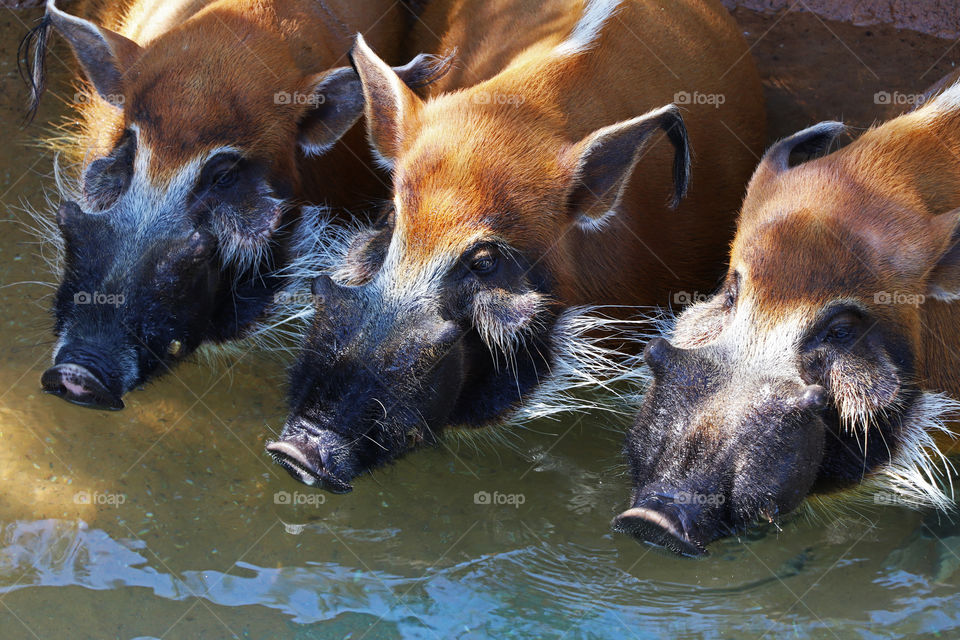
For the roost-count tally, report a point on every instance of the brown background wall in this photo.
(933, 17)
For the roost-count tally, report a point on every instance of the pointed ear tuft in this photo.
(389, 103)
(103, 54)
(425, 69)
(604, 162)
(943, 281)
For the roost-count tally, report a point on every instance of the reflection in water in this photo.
(533, 590)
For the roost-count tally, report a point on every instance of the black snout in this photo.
(77, 384)
(660, 355)
(663, 521)
(309, 461)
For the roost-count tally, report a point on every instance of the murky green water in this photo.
(167, 520)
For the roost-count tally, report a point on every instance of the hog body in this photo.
(202, 129)
(544, 173)
(827, 363)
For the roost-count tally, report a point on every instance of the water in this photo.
(166, 520)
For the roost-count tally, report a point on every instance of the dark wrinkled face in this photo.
(759, 402)
(153, 267)
(390, 363)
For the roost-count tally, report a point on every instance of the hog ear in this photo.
(943, 282)
(103, 54)
(605, 159)
(389, 102)
(809, 142)
(337, 105)
(338, 99)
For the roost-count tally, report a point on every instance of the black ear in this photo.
(103, 54)
(809, 142)
(338, 101)
(336, 106)
(425, 69)
(943, 280)
(604, 161)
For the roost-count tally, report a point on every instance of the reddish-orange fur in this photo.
(468, 166)
(209, 75)
(873, 217)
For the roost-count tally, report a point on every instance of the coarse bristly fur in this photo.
(40, 221)
(918, 475)
(318, 246)
(586, 373)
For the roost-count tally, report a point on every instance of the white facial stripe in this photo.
(395, 282)
(147, 212)
(751, 347)
(587, 30)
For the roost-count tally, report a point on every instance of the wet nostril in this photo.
(78, 385)
(659, 527)
(309, 465)
(813, 398)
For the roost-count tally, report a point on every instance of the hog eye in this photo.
(483, 264)
(221, 172)
(842, 330)
(225, 178)
(733, 291)
(730, 300)
(840, 334)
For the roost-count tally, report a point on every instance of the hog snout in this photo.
(85, 377)
(77, 384)
(315, 458)
(719, 443)
(670, 520)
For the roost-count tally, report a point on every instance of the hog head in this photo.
(799, 377)
(446, 314)
(189, 198)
